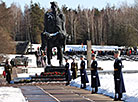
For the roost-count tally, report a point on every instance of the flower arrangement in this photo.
(53, 74)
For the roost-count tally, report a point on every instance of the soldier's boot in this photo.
(68, 82)
(84, 85)
(81, 86)
(120, 96)
(115, 99)
(92, 92)
(96, 89)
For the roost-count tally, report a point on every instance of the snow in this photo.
(107, 86)
(1, 70)
(31, 71)
(10, 94)
(108, 65)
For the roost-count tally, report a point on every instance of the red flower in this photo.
(56, 73)
(59, 73)
(63, 73)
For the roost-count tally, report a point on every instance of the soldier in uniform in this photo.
(84, 77)
(118, 77)
(8, 70)
(95, 82)
(74, 69)
(68, 76)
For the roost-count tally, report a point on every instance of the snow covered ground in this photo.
(107, 86)
(10, 94)
(128, 65)
(31, 71)
(1, 70)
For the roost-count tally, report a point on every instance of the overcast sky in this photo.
(72, 3)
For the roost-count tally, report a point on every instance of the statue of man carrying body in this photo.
(54, 32)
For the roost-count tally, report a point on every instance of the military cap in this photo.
(116, 52)
(66, 58)
(93, 55)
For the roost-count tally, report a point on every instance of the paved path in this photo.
(35, 94)
(61, 93)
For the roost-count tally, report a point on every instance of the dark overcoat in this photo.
(8, 71)
(74, 69)
(84, 77)
(95, 82)
(68, 76)
(118, 77)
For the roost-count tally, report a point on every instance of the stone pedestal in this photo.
(55, 69)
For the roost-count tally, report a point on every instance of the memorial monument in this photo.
(54, 34)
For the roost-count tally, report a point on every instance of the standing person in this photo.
(95, 82)
(39, 55)
(68, 76)
(8, 71)
(84, 77)
(118, 77)
(43, 59)
(74, 69)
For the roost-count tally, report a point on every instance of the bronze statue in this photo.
(54, 34)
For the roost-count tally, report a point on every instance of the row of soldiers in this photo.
(95, 82)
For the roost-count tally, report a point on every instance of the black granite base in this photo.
(55, 69)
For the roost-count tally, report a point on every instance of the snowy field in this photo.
(10, 94)
(128, 65)
(107, 86)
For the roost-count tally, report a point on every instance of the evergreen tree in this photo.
(37, 22)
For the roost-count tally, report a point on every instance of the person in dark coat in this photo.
(95, 82)
(68, 76)
(84, 77)
(74, 69)
(8, 71)
(118, 77)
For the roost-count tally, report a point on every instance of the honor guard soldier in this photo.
(84, 77)
(68, 76)
(8, 71)
(95, 82)
(74, 69)
(118, 77)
